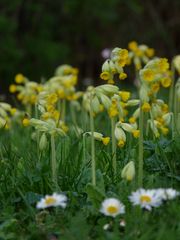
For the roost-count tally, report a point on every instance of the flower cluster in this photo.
(146, 199)
(114, 65)
(139, 54)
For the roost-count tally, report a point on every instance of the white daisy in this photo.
(146, 198)
(112, 207)
(52, 201)
(167, 193)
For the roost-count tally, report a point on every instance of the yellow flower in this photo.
(138, 52)
(46, 115)
(52, 98)
(133, 46)
(56, 115)
(122, 62)
(150, 52)
(12, 88)
(164, 108)
(123, 54)
(50, 108)
(105, 140)
(124, 95)
(33, 99)
(19, 96)
(164, 130)
(25, 122)
(166, 82)
(146, 107)
(155, 87)
(163, 64)
(135, 133)
(132, 120)
(105, 76)
(19, 78)
(61, 93)
(113, 112)
(13, 111)
(148, 75)
(122, 76)
(121, 143)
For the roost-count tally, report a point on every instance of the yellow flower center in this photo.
(148, 75)
(50, 200)
(145, 199)
(112, 209)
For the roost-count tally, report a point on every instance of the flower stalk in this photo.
(53, 161)
(93, 160)
(140, 159)
(114, 160)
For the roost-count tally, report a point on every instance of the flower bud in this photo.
(128, 171)
(120, 134)
(43, 142)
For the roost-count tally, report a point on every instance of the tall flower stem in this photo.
(63, 112)
(140, 158)
(114, 160)
(93, 160)
(53, 161)
(171, 91)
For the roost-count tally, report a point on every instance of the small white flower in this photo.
(146, 198)
(167, 193)
(52, 201)
(112, 207)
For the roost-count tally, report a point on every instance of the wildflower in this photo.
(166, 82)
(135, 133)
(132, 120)
(26, 122)
(124, 95)
(146, 107)
(167, 193)
(52, 201)
(163, 64)
(105, 75)
(19, 78)
(146, 198)
(147, 74)
(13, 111)
(132, 46)
(150, 52)
(12, 88)
(122, 76)
(128, 171)
(105, 140)
(112, 207)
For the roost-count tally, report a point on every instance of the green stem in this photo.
(63, 113)
(53, 161)
(73, 115)
(38, 133)
(140, 164)
(114, 160)
(93, 161)
(171, 91)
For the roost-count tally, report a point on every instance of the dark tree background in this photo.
(38, 35)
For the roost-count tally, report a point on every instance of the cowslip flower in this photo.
(54, 200)
(112, 207)
(147, 199)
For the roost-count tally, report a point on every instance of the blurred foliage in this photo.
(37, 36)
